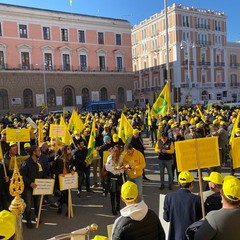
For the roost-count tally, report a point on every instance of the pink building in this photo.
(70, 58)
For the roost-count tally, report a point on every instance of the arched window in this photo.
(120, 95)
(103, 94)
(85, 96)
(3, 99)
(28, 98)
(51, 97)
(68, 97)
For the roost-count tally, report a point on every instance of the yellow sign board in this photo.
(236, 152)
(20, 160)
(57, 130)
(17, 135)
(69, 181)
(202, 151)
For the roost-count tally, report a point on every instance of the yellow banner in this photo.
(17, 135)
(236, 152)
(202, 150)
(69, 181)
(20, 160)
(105, 156)
(57, 130)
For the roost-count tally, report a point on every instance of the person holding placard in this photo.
(31, 170)
(61, 167)
(115, 168)
(82, 167)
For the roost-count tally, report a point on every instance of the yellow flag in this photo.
(75, 122)
(201, 114)
(70, 1)
(125, 108)
(91, 143)
(67, 139)
(43, 106)
(40, 133)
(235, 152)
(125, 130)
(234, 128)
(163, 103)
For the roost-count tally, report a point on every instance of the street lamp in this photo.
(45, 85)
(188, 44)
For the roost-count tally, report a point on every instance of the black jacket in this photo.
(79, 157)
(30, 170)
(149, 228)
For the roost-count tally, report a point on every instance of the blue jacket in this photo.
(181, 209)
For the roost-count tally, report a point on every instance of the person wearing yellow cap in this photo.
(182, 208)
(137, 221)
(213, 200)
(223, 224)
(30, 170)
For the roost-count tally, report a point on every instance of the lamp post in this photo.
(188, 44)
(45, 86)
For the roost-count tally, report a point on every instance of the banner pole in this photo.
(200, 179)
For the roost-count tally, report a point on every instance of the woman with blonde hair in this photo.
(61, 167)
(115, 168)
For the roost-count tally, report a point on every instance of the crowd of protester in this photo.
(124, 161)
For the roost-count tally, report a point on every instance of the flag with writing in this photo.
(163, 103)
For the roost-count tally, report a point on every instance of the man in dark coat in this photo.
(137, 221)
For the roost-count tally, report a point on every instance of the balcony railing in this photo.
(234, 65)
(65, 68)
(185, 62)
(235, 85)
(205, 64)
(185, 85)
(219, 85)
(202, 26)
(203, 43)
(219, 64)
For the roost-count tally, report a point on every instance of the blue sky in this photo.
(137, 10)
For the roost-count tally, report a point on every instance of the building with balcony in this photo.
(233, 62)
(197, 55)
(66, 58)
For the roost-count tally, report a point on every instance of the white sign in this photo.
(44, 187)
(59, 100)
(69, 181)
(79, 100)
(39, 100)
(129, 96)
(95, 96)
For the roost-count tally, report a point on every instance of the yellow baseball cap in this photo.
(12, 144)
(185, 177)
(231, 189)
(214, 177)
(7, 224)
(136, 131)
(129, 191)
(26, 145)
